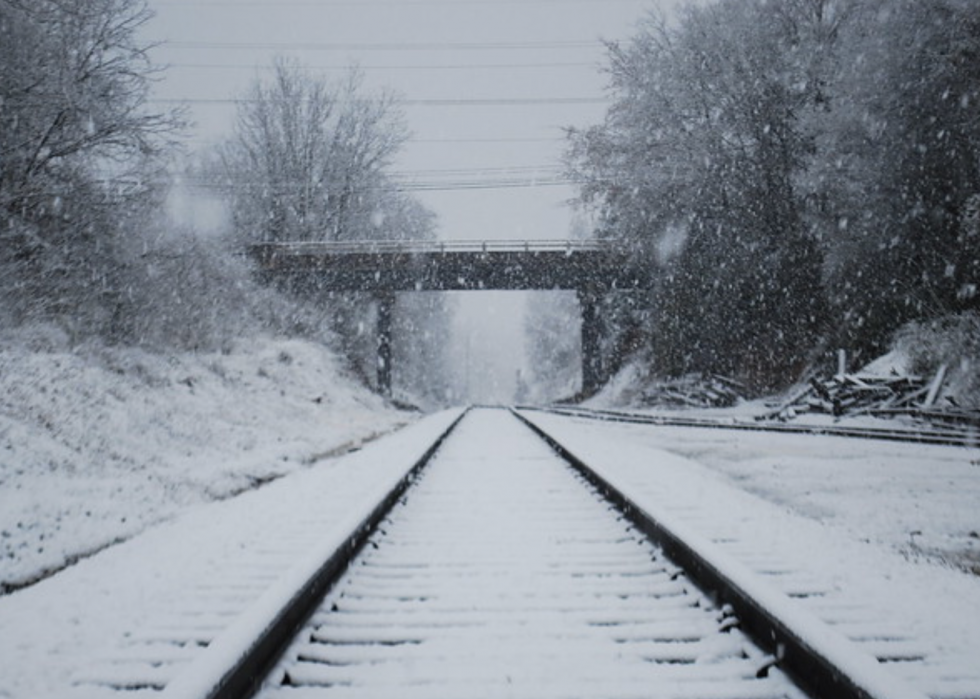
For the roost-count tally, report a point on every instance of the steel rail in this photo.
(809, 658)
(955, 438)
(242, 677)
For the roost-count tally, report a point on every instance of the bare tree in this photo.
(308, 158)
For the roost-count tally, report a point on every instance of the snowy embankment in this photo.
(97, 444)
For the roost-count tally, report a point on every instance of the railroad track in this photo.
(501, 565)
(944, 436)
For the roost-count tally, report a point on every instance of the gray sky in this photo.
(489, 84)
(480, 53)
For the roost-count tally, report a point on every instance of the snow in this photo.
(862, 668)
(826, 517)
(134, 455)
(895, 362)
(236, 641)
(501, 576)
(185, 581)
(97, 444)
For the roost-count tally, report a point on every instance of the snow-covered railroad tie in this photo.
(502, 575)
(503, 572)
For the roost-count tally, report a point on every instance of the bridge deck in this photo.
(386, 266)
(341, 247)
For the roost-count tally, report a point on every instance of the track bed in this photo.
(503, 573)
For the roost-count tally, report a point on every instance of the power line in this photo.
(480, 184)
(449, 186)
(477, 171)
(428, 180)
(491, 102)
(393, 46)
(450, 141)
(462, 186)
(544, 139)
(455, 66)
(465, 174)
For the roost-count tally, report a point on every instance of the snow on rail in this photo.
(211, 672)
(503, 574)
(848, 667)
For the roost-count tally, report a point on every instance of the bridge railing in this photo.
(412, 247)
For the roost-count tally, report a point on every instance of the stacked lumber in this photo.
(694, 391)
(856, 394)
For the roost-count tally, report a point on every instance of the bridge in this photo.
(591, 268)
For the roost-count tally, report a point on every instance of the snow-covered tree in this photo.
(898, 165)
(78, 149)
(695, 166)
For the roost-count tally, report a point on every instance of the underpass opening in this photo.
(386, 269)
(502, 347)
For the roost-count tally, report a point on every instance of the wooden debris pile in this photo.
(857, 394)
(694, 391)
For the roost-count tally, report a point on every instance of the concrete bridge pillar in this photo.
(591, 358)
(386, 307)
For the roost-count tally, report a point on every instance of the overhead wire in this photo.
(475, 170)
(459, 185)
(423, 181)
(384, 46)
(447, 141)
(452, 102)
(543, 139)
(366, 4)
(430, 66)
(431, 180)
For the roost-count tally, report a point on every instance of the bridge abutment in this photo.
(591, 357)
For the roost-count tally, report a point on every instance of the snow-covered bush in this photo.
(953, 340)
(187, 292)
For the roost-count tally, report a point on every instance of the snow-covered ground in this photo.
(192, 577)
(920, 497)
(501, 576)
(885, 527)
(97, 444)
(917, 501)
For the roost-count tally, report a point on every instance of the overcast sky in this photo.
(488, 86)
